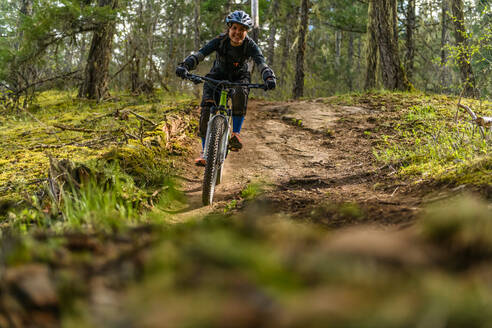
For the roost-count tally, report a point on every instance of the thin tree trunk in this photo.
(372, 48)
(135, 49)
(338, 47)
(172, 52)
(255, 16)
(197, 25)
(444, 31)
(25, 11)
(149, 44)
(273, 32)
(350, 64)
(287, 37)
(228, 7)
(67, 67)
(464, 56)
(25, 73)
(95, 85)
(409, 40)
(359, 54)
(444, 41)
(134, 67)
(298, 90)
(83, 50)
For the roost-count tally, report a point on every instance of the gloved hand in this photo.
(269, 78)
(181, 71)
(271, 83)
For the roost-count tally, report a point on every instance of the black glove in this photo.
(181, 71)
(269, 78)
(271, 83)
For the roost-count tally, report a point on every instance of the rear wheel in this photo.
(213, 166)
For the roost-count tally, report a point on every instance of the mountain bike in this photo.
(218, 132)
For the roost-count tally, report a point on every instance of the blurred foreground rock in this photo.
(29, 298)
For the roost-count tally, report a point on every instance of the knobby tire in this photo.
(212, 167)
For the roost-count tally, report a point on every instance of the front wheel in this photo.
(219, 174)
(213, 165)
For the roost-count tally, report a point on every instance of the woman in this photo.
(233, 50)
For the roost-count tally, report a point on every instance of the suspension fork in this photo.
(217, 114)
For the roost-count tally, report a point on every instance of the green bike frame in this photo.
(223, 98)
(225, 114)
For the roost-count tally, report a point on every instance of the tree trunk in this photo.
(273, 32)
(197, 25)
(372, 48)
(136, 44)
(350, 59)
(255, 16)
(25, 10)
(134, 67)
(444, 30)
(298, 90)
(393, 74)
(95, 85)
(338, 47)
(25, 72)
(444, 42)
(409, 40)
(82, 53)
(287, 36)
(359, 54)
(227, 7)
(464, 52)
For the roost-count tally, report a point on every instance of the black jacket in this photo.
(231, 62)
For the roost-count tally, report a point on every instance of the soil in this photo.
(312, 159)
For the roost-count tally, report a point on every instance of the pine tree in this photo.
(95, 85)
(298, 90)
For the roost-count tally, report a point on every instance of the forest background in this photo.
(325, 46)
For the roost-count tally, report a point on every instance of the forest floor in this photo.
(321, 219)
(307, 158)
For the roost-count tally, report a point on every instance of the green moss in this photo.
(428, 143)
(143, 152)
(27, 138)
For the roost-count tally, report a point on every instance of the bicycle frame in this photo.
(217, 113)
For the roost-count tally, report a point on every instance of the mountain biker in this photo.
(233, 49)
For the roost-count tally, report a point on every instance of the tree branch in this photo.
(46, 80)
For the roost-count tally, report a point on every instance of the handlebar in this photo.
(227, 84)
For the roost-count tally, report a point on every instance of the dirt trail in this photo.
(315, 158)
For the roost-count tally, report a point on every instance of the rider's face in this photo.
(237, 33)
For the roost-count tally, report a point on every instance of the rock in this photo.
(397, 247)
(33, 285)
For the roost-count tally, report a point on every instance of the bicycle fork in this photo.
(226, 120)
(217, 114)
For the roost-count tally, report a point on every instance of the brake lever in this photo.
(196, 80)
(193, 78)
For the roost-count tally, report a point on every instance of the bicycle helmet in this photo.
(239, 17)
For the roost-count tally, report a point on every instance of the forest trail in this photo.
(312, 159)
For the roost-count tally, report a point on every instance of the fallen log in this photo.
(480, 121)
(484, 121)
(73, 128)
